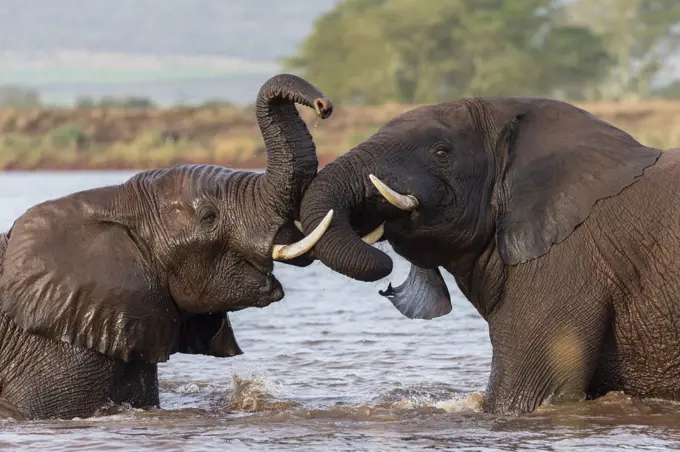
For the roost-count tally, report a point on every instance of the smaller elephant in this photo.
(562, 230)
(98, 287)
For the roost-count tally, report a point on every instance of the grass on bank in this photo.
(143, 138)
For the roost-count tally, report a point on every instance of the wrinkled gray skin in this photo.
(561, 230)
(99, 286)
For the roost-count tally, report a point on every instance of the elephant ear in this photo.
(73, 276)
(3, 247)
(557, 161)
(208, 334)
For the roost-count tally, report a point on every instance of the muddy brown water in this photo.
(333, 367)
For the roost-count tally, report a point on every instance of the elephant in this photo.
(99, 286)
(562, 230)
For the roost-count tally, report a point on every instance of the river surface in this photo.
(333, 367)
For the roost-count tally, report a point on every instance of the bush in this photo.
(68, 136)
(108, 102)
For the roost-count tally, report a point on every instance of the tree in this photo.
(640, 35)
(345, 40)
(669, 91)
(372, 51)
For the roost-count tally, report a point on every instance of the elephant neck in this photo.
(481, 277)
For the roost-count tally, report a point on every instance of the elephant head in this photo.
(150, 267)
(452, 184)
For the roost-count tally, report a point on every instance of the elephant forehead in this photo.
(437, 121)
(186, 180)
(412, 133)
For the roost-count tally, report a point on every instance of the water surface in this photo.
(333, 367)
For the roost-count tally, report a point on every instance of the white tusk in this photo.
(293, 250)
(403, 202)
(374, 235)
(298, 225)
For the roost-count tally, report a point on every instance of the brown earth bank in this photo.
(108, 139)
(54, 164)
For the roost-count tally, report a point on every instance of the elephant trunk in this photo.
(341, 186)
(291, 154)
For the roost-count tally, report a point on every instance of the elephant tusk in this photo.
(369, 238)
(404, 202)
(293, 250)
(374, 235)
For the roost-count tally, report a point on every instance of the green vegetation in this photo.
(109, 138)
(639, 35)
(375, 59)
(13, 96)
(423, 51)
(85, 102)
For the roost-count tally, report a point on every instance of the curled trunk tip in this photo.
(291, 153)
(293, 89)
(323, 107)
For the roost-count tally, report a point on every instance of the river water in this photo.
(333, 367)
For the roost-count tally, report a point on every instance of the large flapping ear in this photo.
(558, 161)
(72, 275)
(208, 334)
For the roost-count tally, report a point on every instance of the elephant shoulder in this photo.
(659, 182)
(668, 166)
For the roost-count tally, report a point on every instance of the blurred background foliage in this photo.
(374, 58)
(421, 51)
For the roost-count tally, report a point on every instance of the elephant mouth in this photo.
(363, 219)
(424, 294)
(374, 229)
(400, 222)
(270, 291)
(391, 224)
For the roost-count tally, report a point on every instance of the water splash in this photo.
(255, 395)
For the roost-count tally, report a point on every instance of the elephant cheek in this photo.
(196, 293)
(243, 285)
(417, 250)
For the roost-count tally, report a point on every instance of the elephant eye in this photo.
(441, 152)
(209, 218)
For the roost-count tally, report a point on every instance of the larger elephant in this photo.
(99, 286)
(562, 230)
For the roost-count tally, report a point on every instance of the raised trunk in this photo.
(341, 186)
(291, 153)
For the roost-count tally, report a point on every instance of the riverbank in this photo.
(115, 138)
